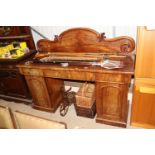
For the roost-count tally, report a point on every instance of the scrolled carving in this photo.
(56, 38)
(125, 48)
(102, 36)
(82, 40)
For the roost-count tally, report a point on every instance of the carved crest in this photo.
(82, 40)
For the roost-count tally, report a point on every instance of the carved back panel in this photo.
(86, 40)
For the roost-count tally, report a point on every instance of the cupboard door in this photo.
(2, 87)
(39, 92)
(143, 108)
(111, 102)
(54, 87)
(12, 83)
(15, 85)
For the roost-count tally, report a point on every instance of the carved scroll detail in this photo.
(86, 40)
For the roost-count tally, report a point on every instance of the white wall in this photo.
(110, 31)
(126, 31)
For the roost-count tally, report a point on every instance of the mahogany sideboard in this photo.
(45, 80)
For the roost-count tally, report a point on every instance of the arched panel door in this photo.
(112, 105)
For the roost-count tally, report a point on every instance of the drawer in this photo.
(122, 78)
(67, 74)
(35, 72)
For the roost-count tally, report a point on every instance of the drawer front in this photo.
(35, 72)
(74, 75)
(113, 78)
(143, 106)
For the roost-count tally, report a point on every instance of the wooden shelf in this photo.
(12, 83)
(15, 37)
